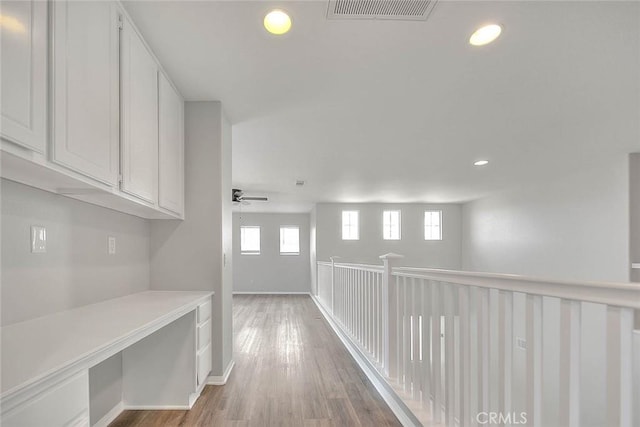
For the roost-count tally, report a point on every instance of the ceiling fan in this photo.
(238, 197)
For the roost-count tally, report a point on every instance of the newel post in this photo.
(333, 282)
(389, 317)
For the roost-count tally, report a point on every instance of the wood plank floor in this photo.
(291, 370)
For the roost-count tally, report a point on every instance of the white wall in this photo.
(270, 271)
(189, 254)
(76, 270)
(574, 228)
(417, 251)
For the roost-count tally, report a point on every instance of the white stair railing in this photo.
(473, 349)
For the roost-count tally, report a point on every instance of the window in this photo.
(250, 240)
(433, 225)
(391, 225)
(289, 241)
(350, 226)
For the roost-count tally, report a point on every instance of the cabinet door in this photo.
(139, 117)
(23, 43)
(86, 88)
(171, 148)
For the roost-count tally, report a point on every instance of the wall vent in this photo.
(403, 10)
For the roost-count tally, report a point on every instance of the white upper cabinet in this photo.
(23, 43)
(86, 88)
(139, 111)
(171, 146)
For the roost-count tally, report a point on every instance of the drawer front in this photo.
(204, 334)
(204, 364)
(204, 312)
(64, 405)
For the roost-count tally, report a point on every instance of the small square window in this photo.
(391, 225)
(250, 240)
(289, 241)
(433, 225)
(350, 225)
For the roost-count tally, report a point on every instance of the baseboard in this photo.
(388, 394)
(110, 416)
(156, 407)
(221, 380)
(270, 293)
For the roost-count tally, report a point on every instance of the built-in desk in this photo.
(166, 356)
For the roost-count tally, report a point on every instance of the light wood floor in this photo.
(291, 370)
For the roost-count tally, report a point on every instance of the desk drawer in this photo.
(204, 334)
(63, 405)
(204, 312)
(204, 364)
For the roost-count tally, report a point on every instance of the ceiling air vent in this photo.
(412, 10)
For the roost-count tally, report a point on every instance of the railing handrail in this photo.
(367, 267)
(610, 293)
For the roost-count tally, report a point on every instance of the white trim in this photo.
(221, 380)
(110, 416)
(270, 293)
(395, 403)
(635, 265)
(156, 407)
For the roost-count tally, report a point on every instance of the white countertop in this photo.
(34, 350)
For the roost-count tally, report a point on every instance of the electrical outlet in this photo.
(521, 343)
(111, 245)
(38, 239)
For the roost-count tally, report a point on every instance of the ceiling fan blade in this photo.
(257, 199)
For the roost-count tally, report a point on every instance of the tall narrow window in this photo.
(433, 225)
(350, 226)
(391, 225)
(250, 240)
(289, 241)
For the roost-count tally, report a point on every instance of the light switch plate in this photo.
(38, 239)
(111, 245)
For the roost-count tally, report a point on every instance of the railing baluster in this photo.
(426, 343)
(494, 346)
(417, 338)
(507, 352)
(483, 351)
(474, 366)
(619, 366)
(534, 360)
(436, 336)
(406, 334)
(570, 361)
(403, 330)
(463, 304)
(449, 337)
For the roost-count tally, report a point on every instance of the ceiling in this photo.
(398, 111)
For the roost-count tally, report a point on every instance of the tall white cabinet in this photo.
(171, 146)
(139, 117)
(86, 110)
(85, 70)
(23, 42)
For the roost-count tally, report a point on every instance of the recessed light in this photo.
(485, 35)
(481, 163)
(277, 22)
